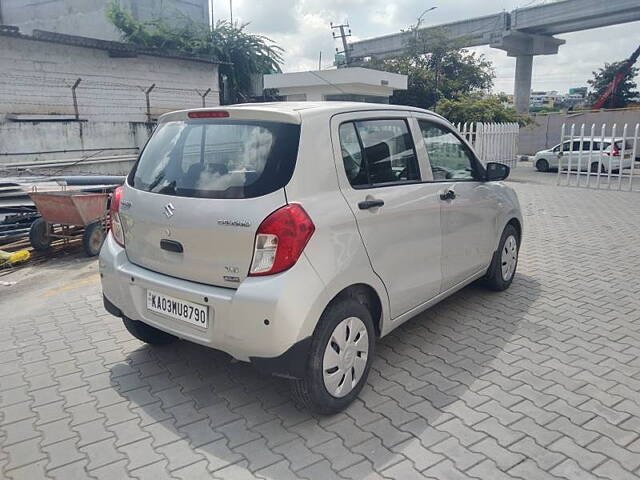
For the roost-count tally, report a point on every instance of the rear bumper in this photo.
(267, 320)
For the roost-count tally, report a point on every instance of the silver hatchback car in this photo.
(293, 235)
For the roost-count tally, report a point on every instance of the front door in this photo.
(397, 215)
(469, 209)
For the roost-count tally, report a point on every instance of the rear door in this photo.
(193, 203)
(469, 208)
(398, 215)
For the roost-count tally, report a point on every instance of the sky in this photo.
(302, 28)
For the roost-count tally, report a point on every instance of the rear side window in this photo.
(217, 159)
(378, 152)
(627, 145)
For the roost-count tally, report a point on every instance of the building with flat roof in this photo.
(343, 84)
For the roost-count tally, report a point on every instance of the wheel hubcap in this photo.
(509, 257)
(345, 357)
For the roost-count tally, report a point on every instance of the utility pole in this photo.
(344, 34)
(231, 10)
(320, 61)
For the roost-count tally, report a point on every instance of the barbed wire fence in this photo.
(94, 99)
(105, 118)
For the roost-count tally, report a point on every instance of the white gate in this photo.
(493, 142)
(604, 157)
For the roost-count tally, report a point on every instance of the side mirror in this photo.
(497, 171)
(560, 154)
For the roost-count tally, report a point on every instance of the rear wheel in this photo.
(594, 168)
(147, 333)
(542, 165)
(39, 235)
(93, 238)
(340, 358)
(505, 261)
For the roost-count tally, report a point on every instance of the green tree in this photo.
(624, 95)
(242, 54)
(437, 69)
(479, 108)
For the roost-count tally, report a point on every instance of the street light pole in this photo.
(231, 10)
(422, 16)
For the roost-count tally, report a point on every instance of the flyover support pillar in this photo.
(522, 87)
(524, 46)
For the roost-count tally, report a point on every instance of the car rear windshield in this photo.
(218, 158)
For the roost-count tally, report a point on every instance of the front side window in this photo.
(378, 152)
(450, 158)
(217, 159)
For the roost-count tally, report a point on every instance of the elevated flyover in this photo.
(522, 33)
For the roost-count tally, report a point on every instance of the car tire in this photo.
(147, 333)
(542, 165)
(594, 168)
(312, 392)
(505, 261)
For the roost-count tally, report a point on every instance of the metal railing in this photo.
(493, 142)
(601, 157)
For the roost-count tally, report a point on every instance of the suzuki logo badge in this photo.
(169, 210)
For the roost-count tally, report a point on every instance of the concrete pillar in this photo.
(522, 88)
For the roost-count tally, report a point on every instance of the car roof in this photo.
(595, 139)
(293, 112)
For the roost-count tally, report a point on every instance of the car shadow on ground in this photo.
(427, 376)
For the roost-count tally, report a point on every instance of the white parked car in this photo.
(293, 235)
(579, 154)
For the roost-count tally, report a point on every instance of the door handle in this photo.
(171, 246)
(448, 194)
(367, 204)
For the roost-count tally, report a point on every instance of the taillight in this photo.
(280, 240)
(114, 210)
(615, 151)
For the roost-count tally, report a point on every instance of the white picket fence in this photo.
(493, 142)
(606, 158)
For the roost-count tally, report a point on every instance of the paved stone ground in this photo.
(542, 381)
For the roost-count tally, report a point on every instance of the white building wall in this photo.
(27, 142)
(87, 17)
(36, 78)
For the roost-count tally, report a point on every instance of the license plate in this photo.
(177, 309)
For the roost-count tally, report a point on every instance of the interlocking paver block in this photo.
(537, 382)
(298, 455)
(584, 457)
(462, 457)
(338, 455)
(505, 459)
(257, 454)
(543, 457)
(404, 470)
(421, 457)
(140, 454)
(570, 470)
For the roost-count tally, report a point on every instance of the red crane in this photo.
(617, 79)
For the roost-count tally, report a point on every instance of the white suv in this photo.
(293, 235)
(603, 156)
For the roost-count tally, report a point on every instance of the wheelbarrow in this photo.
(71, 210)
